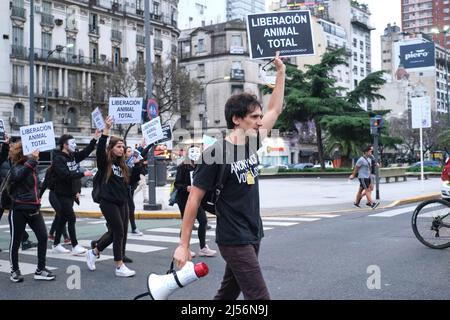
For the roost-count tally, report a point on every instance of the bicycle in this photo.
(431, 223)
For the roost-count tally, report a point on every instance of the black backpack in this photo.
(211, 197)
(5, 192)
(97, 186)
(50, 178)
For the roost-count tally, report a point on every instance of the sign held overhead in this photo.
(289, 32)
(125, 110)
(38, 136)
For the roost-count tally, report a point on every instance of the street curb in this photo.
(143, 215)
(425, 197)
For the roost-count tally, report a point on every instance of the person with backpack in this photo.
(67, 185)
(23, 190)
(183, 184)
(5, 167)
(112, 193)
(49, 183)
(239, 229)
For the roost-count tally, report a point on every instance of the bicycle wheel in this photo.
(431, 223)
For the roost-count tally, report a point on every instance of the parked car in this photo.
(328, 164)
(427, 163)
(445, 190)
(303, 166)
(88, 182)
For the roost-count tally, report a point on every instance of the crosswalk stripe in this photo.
(4, 227)
(25, 268)
(97, 222)
(177, 231)
(130, 247)
(147, 237)
(396, 212)
(289, 219)
(64, 256)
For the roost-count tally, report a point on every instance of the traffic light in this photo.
(376, 123)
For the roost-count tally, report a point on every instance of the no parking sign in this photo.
(152, 109)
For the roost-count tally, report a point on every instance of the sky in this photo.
(383, 12)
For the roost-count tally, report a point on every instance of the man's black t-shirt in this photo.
(238, 220)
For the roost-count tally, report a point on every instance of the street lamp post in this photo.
(205, 118)
(59, 49)
(445, 31)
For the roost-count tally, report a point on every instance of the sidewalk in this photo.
(284, 197)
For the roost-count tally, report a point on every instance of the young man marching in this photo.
(239, 227)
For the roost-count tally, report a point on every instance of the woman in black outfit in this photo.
(113, 200)
(183, 182)
(25, 210)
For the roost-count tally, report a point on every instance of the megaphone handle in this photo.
(171, 268)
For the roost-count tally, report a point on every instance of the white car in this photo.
(445, 190)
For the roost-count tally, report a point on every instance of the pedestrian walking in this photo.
(183, 184)
(362, 170)
(239, 229)
(25, 210)
(113, 200)
(66, 165)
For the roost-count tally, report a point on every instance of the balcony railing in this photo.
(94, 29)
(20, 52)
(116, 35)
(47, 19)
(140, 39)
(19, 89)
(18, 12)
(158, 44)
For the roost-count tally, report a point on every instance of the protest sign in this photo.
(125, 110)
(98, 119)
(152, 131)
(38, 136)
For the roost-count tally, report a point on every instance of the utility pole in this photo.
(376, 123)
(31, 101)
(151, 205)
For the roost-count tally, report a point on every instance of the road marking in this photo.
(129, 248)
(147, 237)
(97, 222)
(25, 268)
(288, 219)
(396, 212)
(4, 227)
(177, 231)
(64, 256)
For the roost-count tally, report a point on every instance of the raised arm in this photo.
(101, 148)
(83, 154)
(276, 100)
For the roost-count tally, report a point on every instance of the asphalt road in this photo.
(333, 257)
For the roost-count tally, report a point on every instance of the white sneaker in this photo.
(90, 259)
(136, 232)
(78, 250)
(207, 252)
(123, 271)
(193, 254)
(60, 249)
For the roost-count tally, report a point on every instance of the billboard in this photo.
(417, 55)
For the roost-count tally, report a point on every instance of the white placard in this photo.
(98, 119)
(38, 136)
(152, 131)
(125, 110)
(421, 112)
(2, 131)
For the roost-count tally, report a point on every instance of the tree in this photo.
(172, 88)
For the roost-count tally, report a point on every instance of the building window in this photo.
(200, 45)
(94, 52)
(116, 56)
(46, 43)
(71, 51)
(140, 57)
(155, 8)
(236, 40)
(17, 80)
(17, 36)
(19, 113)
(200, 70)
(72, 117)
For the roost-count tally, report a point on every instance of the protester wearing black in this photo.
(183, 184)
(239, 229)
(5, 166)
(25, 210)
(67, 185)
(49, 183)
(113, 200)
